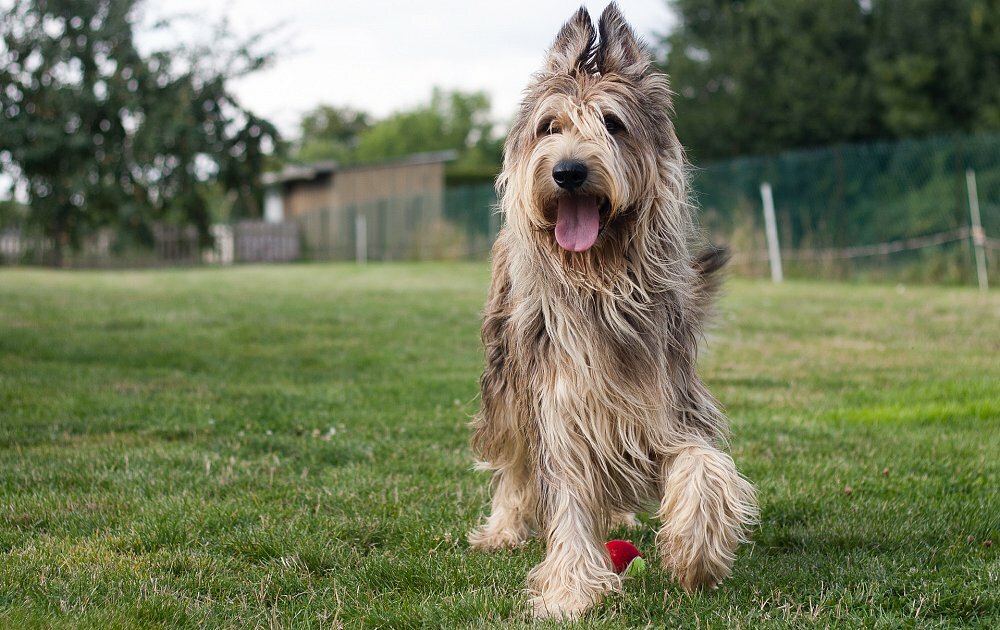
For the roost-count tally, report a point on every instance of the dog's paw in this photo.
(698, 573)
(486, 539)
(566, 587)
(565, 605)
(697, 579)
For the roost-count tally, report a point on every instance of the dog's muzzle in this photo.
(570, 174)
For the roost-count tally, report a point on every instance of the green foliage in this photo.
(936, 64)
(11, 213)
(759, 76)
(330, 133)
(452, 120)
(288, 447)
(104, 134)
(762, 75)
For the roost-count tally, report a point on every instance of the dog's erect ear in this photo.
(620, 51)
(572, 49)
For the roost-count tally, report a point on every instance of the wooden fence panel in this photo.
(257, 241)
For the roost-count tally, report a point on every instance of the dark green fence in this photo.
(896, 210)
(460, 224)
(471, 208)
(885, 211)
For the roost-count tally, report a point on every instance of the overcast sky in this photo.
(382, 56)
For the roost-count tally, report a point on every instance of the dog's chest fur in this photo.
(597, 379)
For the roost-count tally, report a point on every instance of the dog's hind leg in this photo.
(512, 516)
(706, 509)
(501, 427)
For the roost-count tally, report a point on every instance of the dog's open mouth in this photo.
(578, 221)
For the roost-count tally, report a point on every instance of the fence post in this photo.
(978, 235)
(771, 230)
(360, 238)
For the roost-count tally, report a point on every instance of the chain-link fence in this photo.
(460, 223)
(897, 211)
(472, 209)
(890, 210)
(884, 211)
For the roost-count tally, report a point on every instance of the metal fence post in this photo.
(360, 238)
(771, 229)
(978, 235)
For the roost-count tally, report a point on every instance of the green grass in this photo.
(288, 446)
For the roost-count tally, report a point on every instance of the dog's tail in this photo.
(708, 270)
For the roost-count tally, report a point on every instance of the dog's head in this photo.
(592, 150)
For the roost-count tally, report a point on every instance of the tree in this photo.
(452, 120)
(11, 213)
(760, 76)
(937, 65)
(103, 134)
(764, 75)
(331, 133)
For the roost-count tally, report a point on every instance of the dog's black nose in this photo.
(570, 174)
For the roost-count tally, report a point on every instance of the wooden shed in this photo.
(386, 211)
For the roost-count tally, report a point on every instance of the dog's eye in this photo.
(613, 125)
(548, 128)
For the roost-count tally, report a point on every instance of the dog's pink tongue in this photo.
(577, 222)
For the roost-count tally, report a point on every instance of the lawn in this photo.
(287, 446)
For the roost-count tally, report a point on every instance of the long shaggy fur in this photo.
(591, 406)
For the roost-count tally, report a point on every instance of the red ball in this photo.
(622, 553)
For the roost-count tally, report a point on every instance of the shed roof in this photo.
(310, 172)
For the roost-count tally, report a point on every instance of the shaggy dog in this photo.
(591, 405)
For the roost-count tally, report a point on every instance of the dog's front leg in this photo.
(706, 509)
(510, 520)
(577, 570)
